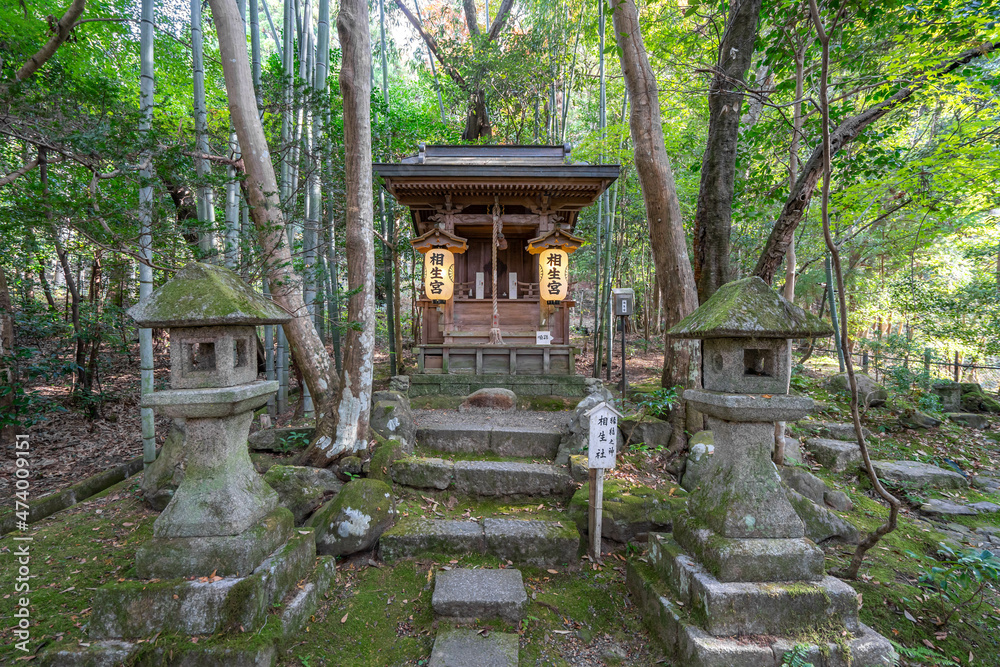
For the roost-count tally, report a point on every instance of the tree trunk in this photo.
(682, 363)
(344, 429)
(713, 218)
(7, 369)
(260, 188)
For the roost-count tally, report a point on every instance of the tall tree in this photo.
(206, 202)
(344, 429)
(477, 122)
(713, 218)
(145, 225)
(682, 363)
(260, 188)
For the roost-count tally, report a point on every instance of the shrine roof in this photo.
(461, 168)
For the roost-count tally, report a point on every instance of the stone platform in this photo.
(470, 437)
(424, 384)
(539, 543)
(468, 595)
(292, 576)
(672, 624)
(466, 647)
(483, 478)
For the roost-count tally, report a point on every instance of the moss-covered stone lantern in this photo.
(222, 518)
(738, 560)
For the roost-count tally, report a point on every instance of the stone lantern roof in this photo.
(748, 308)
(202, 295)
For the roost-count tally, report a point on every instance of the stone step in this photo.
(466, 647)
(469, 595)
(538, 543)
(483, 478)
(837, 455)
(520, 441)
(731, 608)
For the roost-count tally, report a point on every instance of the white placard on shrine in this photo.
(543, 338)
(603, 445)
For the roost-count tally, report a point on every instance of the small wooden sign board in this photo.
(602, 450)
(543, 338)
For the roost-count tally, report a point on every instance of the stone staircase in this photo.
(445, 459)
(466, 596)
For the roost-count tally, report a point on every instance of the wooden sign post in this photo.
(602, 450)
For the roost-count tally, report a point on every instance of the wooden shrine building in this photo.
(522, 202)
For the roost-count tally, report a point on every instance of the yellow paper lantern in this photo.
(553, 274)
(439, 274)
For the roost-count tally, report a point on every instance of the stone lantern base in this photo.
(289, 581)
(704, 622)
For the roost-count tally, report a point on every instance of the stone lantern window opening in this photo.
(758, 362)
(240, 357)
(199, 356)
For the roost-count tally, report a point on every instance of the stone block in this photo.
(949, 395)
(506, 478)
(400, 383)
(915, 419)
(579, 467)
(463, 439)
(133, 609)
(106, 653)
(355, 519)
(985, 507)
(225, 555)
(749, 559)
(302, 489)
(969, 420)
(480, 594)
(740, 608)
(836, 431)
(651, 431)
(538, 543)
(628, 510)
(297, 611)
(415, 536)
(838, 500)
(793, 452)
(805, 483)
(525, 442)
(161, 479)
(870, 393)
(466, 647)
(917, 474)
(422, 473)
(225, 356)
(822, 525)
(938, 507)
(835, 455)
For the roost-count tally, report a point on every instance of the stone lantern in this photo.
(223, 555)
(738, 559)
(222, 518)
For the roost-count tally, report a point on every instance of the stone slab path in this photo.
(465, 647)
(480, 594)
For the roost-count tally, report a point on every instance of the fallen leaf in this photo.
(929, 644)
(344, 619)
(909, 616)
(550, 571)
